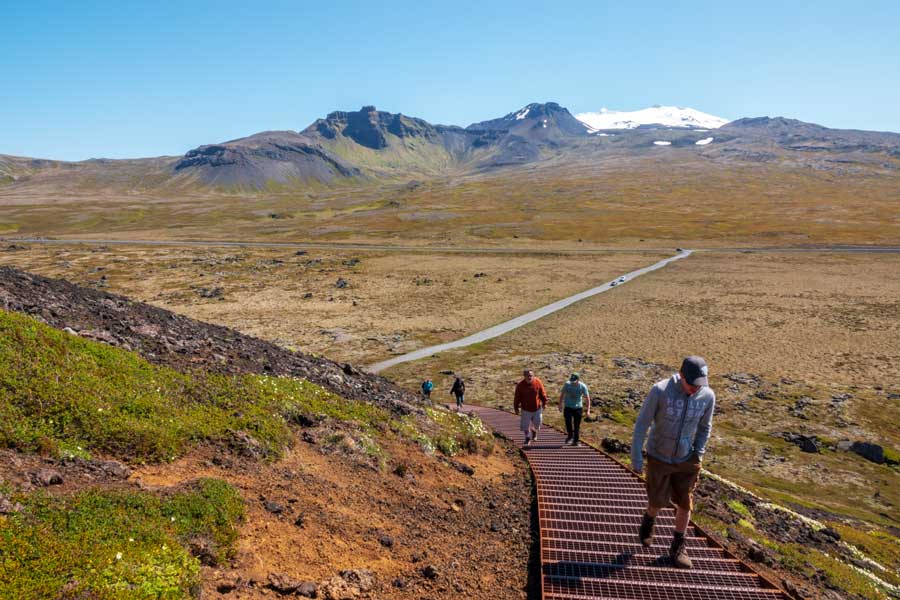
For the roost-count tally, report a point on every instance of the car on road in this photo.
(621, 279)
(614, 284)
(679, 249)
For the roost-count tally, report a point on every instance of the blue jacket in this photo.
(679, 424)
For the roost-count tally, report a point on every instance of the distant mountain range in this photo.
(369, 144)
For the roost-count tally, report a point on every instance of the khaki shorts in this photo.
(674, 483)
(530, 420)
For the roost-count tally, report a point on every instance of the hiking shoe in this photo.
(646, 531)
(568, 440)
(678, 553)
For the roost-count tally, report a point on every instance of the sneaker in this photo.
(678, 553)
(568, 441)
(574, 442)
(646, 530)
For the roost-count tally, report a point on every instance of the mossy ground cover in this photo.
(61, 394)
(115, 544)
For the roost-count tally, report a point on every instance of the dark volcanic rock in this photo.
(47, 477)
(869, 451)
(282, 583)
(614, 446)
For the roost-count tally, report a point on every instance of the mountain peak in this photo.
(542, 118)
(657, 115)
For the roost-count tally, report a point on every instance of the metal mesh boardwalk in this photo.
(589, 509)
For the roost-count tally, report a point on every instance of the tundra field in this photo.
(803, 348)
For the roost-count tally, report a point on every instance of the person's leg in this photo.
(683, 483)
(536, 421)
(682, 518)
(659, 492)
(525, 425)
(567, 415)
(576, 427)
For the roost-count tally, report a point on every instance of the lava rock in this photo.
(869, 451)
(386, 540)
(47, 477)
(430, 572)
(614, 446)
(8, 507)
(273, 507)
(341, 283)
(283, 584)
(308, 589)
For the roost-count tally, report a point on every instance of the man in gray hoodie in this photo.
(678, 411)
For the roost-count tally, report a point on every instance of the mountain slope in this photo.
(270, 156)
(390, 144)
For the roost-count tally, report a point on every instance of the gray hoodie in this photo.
(679, 424)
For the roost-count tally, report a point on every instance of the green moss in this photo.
(115, 544)
(740, 509)
(61, 394)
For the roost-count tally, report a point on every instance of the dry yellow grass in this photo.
(393, 302)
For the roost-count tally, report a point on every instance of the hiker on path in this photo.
(571, 405)
(531, 398)
(459, 391)
(679, 413)
(427, 386)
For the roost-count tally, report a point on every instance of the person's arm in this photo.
(542, 394)
(704, 428)
(517, 401)
(562, 393)
(587, 397)
(644, 419)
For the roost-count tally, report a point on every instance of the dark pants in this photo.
(573, 421)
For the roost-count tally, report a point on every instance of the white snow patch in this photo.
(665, 116)
(661, 143)
(704, 141)
(523, 113)
(544, 123)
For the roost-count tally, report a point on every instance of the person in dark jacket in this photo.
(459, 392)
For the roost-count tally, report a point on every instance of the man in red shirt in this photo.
(531, 398)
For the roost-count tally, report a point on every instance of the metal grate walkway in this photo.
(589, 509)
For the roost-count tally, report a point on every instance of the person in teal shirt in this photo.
(571, 402)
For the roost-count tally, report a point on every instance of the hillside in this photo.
(173, 434)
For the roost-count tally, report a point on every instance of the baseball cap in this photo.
(695, 371)
(574, 377)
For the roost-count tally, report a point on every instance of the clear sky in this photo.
(130, 79)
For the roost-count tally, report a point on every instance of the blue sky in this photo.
(127, 79)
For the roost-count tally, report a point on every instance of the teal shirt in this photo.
(573, 392)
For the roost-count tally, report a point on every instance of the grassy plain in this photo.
(393, 302)
(677, 198)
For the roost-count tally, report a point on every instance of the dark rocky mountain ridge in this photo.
(372, 144)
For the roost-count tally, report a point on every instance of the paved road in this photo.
(498, 330)
(361, 247)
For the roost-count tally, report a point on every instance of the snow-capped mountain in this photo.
(665, 116)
